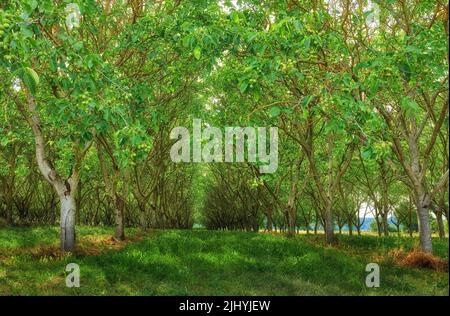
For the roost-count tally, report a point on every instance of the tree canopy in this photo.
(358, 90)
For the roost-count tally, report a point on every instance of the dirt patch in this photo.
(51, 283)
(49, 252)
(419, 259)
(95, 245)
(87, 246)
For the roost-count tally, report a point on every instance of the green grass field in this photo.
(200, 262)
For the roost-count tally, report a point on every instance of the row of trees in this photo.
(150, 201)
(358, 90)
(237, 199)
(92, 91)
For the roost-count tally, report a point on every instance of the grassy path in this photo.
(208, 263)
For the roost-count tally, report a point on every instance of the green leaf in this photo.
(367, 153)
(405, 70)
(78, 45)
(30, 78)
(374, 86)
(32, 4)
(306, 100)
(307, 43)
(410, 106)
(274, 111)
(243, 86)
(197, 52)
(26, 31)
(33, 74)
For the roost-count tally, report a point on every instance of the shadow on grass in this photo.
(222, 263)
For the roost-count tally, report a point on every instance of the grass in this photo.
(200, 262)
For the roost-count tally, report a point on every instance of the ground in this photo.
(200, 262)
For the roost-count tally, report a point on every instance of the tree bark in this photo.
(440, 224)
(384, 197)
(379, 225)
(142, 216)
(119, 229)
(385, 223)
(9, 207)
(422, 204)
(291, 209)
(269, 219)
(329, 229)
(68, 211)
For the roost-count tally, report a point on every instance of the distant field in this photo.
(200, 262)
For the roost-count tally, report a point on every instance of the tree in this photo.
(414, 102)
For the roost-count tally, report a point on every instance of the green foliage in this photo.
(361, 108)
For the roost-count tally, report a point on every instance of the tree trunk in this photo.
(65, 188)
(255, 227)
(116, 199)
(316, 223)
(379, 226)
(440, 223)
(269, 219)
(68, 210)
(291, 220)
(78, 200)
(118, 214)
(422, 204)
(384, 198)
(385, 223)
(143, 219)
(291, 209)
(410, 229)
(9, 209)
(329, 229)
